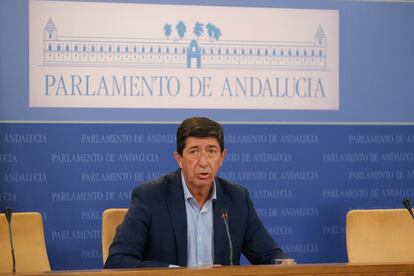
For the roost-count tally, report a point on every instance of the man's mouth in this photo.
(203, 175)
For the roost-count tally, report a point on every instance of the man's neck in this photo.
(201, 195)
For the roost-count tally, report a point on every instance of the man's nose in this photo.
(203, 161)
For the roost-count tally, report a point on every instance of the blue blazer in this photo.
(154, 231)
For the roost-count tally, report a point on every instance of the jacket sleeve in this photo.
(128, 247)
(259, 247)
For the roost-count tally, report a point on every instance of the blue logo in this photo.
(204, 49)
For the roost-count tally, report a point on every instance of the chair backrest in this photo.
(383, 235)
(29, 243)
(111, 218)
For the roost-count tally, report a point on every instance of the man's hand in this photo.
(285, 261)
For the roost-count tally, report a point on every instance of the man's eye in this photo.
(193, 152)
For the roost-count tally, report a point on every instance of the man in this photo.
(178, 219)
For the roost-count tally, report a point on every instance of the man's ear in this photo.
(178, 158)
(223, 156)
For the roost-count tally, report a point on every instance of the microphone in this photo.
(8, 213)
(407, 205)
(225, 217)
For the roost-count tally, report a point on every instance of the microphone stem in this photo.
(230, 243)
(12, 248)
(407, 205)
(411, 213)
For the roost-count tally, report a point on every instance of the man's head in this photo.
(200, 152)
(200, 127)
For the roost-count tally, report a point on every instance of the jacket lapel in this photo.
(176, 207)
(221, 243)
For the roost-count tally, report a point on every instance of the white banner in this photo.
(117, 55)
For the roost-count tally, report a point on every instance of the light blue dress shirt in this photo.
(200, 241)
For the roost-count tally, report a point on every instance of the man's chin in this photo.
(202, 182)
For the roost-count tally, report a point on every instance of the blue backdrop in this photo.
(303, 179)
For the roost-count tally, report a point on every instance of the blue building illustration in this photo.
(193, 54)
(168, 53)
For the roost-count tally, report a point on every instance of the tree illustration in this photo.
(213, 32)
(217, 33)
(198, 29)
(210, 27)
(167, 30)
(181, 29)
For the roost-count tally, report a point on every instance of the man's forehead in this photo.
(201, 141)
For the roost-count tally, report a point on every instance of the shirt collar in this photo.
(187, 193)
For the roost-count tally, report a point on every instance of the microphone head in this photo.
(8, 212)
(224, 214)
(407, 203)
